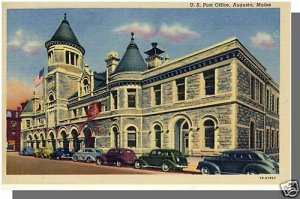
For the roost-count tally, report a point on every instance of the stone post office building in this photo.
(211, 100)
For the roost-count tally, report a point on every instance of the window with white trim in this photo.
(157, 94)
(180, 85)
(131, 137)
(252, 87)
(131, 96)
(114, 96)
(209, 78)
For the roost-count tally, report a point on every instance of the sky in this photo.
(177, 31)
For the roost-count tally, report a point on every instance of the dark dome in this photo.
(132, 59)
(65, 34)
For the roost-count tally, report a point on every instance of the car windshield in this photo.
(177, 153)
(98, 151)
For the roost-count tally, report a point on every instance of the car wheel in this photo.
(99, 162)
(137, 165)
(252, 172)
(58, 158)
(88, 160)
(205, 170)
(119, 163)
(75, 158)
(165, 167)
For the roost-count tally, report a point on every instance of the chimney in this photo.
(112, 61)
(154, 58)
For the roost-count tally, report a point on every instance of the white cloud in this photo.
(263, 40)
(19, 42)
(145, 30)
(32, 47)
(176, 32)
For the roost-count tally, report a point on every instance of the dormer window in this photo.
(85, 87)
(51, 97)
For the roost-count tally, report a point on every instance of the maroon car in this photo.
(118, 156)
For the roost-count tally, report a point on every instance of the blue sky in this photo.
(177, 31)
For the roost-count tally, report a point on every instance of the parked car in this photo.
(118, 156)
(27, 151)
(239, 162)
(61, 153)
(43, 152)
(87, 155)
(166, 159)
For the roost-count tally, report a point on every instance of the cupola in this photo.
(154, 58)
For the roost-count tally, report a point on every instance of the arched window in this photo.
(115, 135)
(131, 137)
(252, 135)
(51, 97)
(209, 134)
(86, 86)
(157, 130)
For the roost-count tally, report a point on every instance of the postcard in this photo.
(146, 93)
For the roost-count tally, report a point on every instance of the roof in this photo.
(64, 33)
(29, 107)
(99, 80)
(242, 151)
(154, 50)
(132, 59)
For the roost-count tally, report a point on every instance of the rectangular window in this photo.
(75, 112)
(272, 102)
(114, 95)
(131, 139)
(209, 78)
(277, 104)
(261, 93)
(157, 94)
(277, 139)
(72, 58)
(180, 84)
(86, 109)
(259, 139)
(27, 123)
(268, 99)
(272, 139)
(267, 139)
(252, 87)
(67, 57)
(131, 98)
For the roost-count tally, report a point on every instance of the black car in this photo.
(239, 162)
(61, 153)
(166, 159)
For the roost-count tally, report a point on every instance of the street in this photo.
(28, 165)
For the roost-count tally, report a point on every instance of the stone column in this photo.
(71, 144)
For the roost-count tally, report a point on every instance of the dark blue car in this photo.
(61, 153)
(27, 151)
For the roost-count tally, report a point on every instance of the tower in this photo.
(65, 66)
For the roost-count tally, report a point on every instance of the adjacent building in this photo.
(13, 129)
(211, 100)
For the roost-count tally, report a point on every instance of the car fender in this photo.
(261, 168)
(90, 156)
(210, 165)
(142, 162)
(102, 158)
(172, 164)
